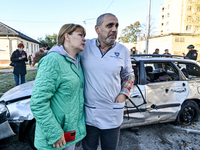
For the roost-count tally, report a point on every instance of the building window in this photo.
(167, 14)
(196, 28)
(188, 28)
(189, 8)
(182, 39)
(163, 17)
(179, 39)
(161, 32)
(163, 9)
(167, 23)
(162, 24)
(31, 48)
(189, 19)
(176, 39)
(198, 8)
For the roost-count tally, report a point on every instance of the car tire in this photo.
(188, 114)
(31, 136)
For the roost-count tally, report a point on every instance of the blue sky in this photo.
(37, 18)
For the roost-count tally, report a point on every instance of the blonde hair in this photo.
(68, 28)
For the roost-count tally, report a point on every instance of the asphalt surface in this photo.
(152, 137)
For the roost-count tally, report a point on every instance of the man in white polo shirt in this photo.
(108, 80)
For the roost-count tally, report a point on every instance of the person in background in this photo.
(57, 100)
(108, 79)
(39, 54)
(47, 47)
(44, 46)
(166, 52)
(19, 57)
(156, 51)
(30, 59)
(133, 50)
(192, 54)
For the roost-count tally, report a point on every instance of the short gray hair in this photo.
(100, 18)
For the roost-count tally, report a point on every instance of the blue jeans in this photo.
(17, 79)
(109, 138)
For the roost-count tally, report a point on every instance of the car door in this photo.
(193, 77)
(135, 106)
(165, 94)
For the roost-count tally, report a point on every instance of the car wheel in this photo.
(188, 114)
(31, 136)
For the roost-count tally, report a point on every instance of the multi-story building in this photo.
(180, 16)
(179, 27)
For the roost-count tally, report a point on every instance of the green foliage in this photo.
(130, 33)
(51, 40)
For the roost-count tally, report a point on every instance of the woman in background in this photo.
(57, 99)
(19, 57)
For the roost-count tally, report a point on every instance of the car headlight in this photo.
(2, 108)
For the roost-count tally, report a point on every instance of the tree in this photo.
(130, 33)
(153, 28)
(51, 40)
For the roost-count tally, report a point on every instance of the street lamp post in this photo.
(148, 26)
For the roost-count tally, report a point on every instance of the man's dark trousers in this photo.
(109, 138)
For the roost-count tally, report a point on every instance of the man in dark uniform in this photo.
(192, 54)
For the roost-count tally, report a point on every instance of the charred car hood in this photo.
(23, 90)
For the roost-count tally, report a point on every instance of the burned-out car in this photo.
(166, 89)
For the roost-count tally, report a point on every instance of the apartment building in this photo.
(180, 16)
(179, 26)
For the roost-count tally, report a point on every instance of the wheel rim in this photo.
(187, 115)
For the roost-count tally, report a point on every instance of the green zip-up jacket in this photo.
(57, 101)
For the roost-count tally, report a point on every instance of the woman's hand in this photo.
(60, 143)
(23, 56)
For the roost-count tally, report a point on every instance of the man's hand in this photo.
(60, 143)
(120, 98)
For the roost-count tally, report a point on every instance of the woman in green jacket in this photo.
(57, 98)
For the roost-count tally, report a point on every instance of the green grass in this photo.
(7, 80)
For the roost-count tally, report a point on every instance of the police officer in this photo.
(192, 54)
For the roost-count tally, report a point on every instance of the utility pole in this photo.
(148, 27)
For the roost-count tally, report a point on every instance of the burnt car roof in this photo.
(153, 57)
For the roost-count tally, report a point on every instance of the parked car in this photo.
(166, 89)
